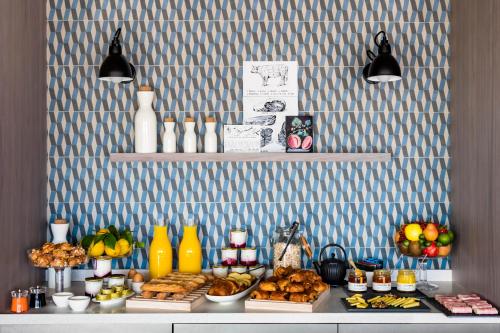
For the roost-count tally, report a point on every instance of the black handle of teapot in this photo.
(332, 245)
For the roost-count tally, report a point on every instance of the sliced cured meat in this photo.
(482, 306)
(461, 309)
(488, 311)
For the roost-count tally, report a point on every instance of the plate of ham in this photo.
(465, 305)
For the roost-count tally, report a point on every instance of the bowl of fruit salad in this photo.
(424, 239)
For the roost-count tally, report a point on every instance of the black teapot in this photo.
(332, 270)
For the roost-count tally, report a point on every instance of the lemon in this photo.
(97, 249)
(113, 252)
(124, 246)
(413, 231)
(103, 231)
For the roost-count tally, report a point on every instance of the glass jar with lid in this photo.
(357, 280)
(406, 280)
(293, 254)
(381, 280)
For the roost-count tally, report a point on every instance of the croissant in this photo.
(278, 296)
(268, 286)
(282, 284)
(299, 297)
(295, 288)
(260, 294)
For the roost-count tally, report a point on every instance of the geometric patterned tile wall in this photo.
(192, 53)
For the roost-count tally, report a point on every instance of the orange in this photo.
(444, 251)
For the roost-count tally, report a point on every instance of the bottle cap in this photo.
(210, 120)
(169, 120)
(189, 120)
(145, 88)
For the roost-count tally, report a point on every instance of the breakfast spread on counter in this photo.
(239, 274)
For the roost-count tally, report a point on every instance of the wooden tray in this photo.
(188, 303)
(268, 305)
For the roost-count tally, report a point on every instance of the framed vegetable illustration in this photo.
(299, 134)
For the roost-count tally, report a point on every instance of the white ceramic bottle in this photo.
(189, 136)
(210, 143)
(145, 122)
(169, 139)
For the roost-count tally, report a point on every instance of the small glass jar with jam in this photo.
(357, 280)
(406, 281)
(381, 280)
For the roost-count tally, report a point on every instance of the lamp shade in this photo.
(384, 67)
(116, 68)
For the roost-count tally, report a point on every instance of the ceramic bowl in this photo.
(93, 286)
(116, 280)
(257, 271)
(219, 271)
(239, 269)
(136, 287)
(79, 303)
(61, 300)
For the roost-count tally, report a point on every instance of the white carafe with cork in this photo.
(210, 136)
(169, 140)
(145, 122)
(189, 136)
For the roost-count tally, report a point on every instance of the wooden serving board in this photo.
(269, 305)
(188, 303)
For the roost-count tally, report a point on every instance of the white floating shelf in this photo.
(251, 157)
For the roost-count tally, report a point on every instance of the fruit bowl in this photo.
(110, 242)
(424, 239)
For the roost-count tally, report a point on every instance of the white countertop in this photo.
(332, 311)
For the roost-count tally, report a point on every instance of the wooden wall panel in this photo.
(474, 126)
(23, 124)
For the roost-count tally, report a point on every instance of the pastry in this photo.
(268, 286)
(260, 294)
(299, 297)
(295, 288)
(283, 284)
(278, 296)
(298, 276)
(320, 286)
(148, 294)
(164, 287)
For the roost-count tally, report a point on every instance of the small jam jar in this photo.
(357, 281)
(19, 303)
(238, 238)
(381, 280)
(229, 256)
(248, 256)
(406, 280)
(37, 297)
(239, 269)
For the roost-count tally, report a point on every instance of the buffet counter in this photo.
(330, 317)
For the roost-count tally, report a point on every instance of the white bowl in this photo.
(239, 269)
(129, 283)
(136, 287)
(61, 299)
(93, 286)
(79, 303)
(116, 280)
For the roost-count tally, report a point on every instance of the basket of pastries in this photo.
(57, 255)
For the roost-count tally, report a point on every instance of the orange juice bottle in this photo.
(190, 249)
(160, 252)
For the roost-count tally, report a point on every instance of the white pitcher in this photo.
(145, 122)
(210, 136)
(189, 136)
(169, 140)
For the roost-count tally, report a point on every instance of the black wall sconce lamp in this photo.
(116, 68)
(383, 67)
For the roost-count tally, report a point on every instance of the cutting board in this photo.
(269, 305)
(188, 303)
